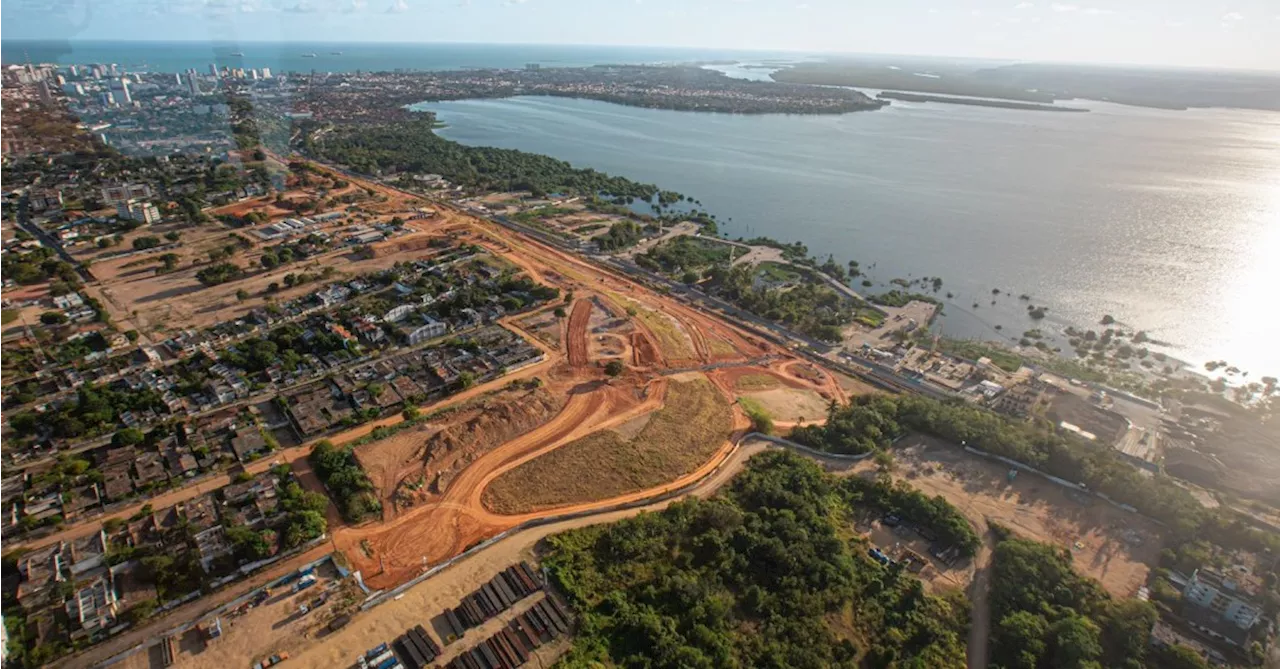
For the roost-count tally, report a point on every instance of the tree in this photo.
(884, 460)
(173, 235)
(1074, 643)
(53, 318)
(690, 277)
(143, 243)
(1021, 635)
(130, 436)
(614, 367)
(1178, 656)
(303, 527)
(559, 312)
(411, 413)
(248, 544)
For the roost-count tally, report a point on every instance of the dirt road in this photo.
(423, 602)
(289, 456)
(578, 320)
(190, 611)
(980, 604)
(391, 553)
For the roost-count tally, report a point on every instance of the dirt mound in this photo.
(646, 354)
(693, 423)
(418, 465)
(578, 333)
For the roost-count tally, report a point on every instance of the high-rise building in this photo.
(266, 73)
(213, 70)
(107, 99)
(74, 70)
(46, 96)
(193, 84)
(72, 88)
(125, 97)
(114, 69)
(177, 79)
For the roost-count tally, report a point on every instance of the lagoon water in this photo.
(1169, 221)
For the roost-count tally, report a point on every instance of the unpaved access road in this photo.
(423, 602)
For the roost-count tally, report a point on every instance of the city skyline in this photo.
(1243, 34)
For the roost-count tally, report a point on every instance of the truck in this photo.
(382, 657)
(304, 583)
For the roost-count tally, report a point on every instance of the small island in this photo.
(975, 102)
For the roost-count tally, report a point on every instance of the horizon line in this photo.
(989, 59)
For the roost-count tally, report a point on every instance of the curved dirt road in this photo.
(437, 531)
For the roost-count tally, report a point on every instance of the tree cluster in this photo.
(346, 482)
(754, 577)
(414, 147)
(1046, 616)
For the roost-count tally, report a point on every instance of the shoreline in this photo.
(975, 102)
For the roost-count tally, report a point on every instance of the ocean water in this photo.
(289, 56)
(1169, 221)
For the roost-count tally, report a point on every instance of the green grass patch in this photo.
(8, 316)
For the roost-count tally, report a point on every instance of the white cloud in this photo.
(803, 5)
(398, 7)
(301, 8)
(1059, 7)
(1024, 5)
(1098, 11)
(1171, 23)
(933, 10)
(1233, 16)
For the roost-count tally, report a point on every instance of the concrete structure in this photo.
(1220, 608)
(397, 314)
(430, 330)
(137, 210)
(93, 607)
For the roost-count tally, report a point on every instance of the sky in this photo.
(1196, 33)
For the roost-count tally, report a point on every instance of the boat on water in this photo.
(308, 55)
(335, 53)
(237, 53)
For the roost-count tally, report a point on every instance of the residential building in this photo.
(117, 193)
(93, 607)
(138, 210)
(45, 200)
(397, 314)
(430, 330)
(1219, 607)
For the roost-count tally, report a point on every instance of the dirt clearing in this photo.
(756, 381)
(693, 423)
(1115, 547)
(418, 464)
(790, 405)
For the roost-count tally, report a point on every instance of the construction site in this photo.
(637, 398)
